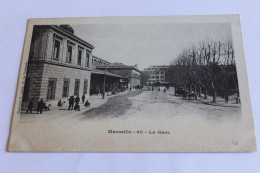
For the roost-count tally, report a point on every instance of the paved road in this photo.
(153, 104)
(115, 106)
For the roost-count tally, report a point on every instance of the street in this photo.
(141, 104)
(154, 104)
(200, 124)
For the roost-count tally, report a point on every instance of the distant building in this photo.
(156, 74)
(101, 76)
(96, 61)
(130, 74)
(58, 66)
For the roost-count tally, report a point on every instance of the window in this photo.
(76, 88)
(56, 49)
(87, 59)
(66, 85)
(85, 87)
(35, 44)
(51, 89)
(79, 56)
(69, 54)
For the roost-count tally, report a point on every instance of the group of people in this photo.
(76, 100)
(40, 106)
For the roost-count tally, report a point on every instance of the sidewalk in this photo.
(58, 112)
(220, 101)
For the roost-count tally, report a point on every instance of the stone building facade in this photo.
(59, 65)
(156, 73)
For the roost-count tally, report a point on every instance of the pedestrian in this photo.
(226, 99)
(71, 102)
(77, 100)
(60, 104)
(87, 103)
(40, 106)
(30, 106)
(83, 98)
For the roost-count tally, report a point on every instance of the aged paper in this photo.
(133, 84)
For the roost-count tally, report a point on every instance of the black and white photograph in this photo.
(133, 84)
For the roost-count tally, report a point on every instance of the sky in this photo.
(148, 44)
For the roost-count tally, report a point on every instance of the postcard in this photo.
(133, 84)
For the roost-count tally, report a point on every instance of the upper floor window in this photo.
(69, 54)
(87, 59)
(56, 50)
(79, 56)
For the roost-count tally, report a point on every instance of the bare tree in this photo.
(210, 66)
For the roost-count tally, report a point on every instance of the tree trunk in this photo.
(214, 92)
(214, 96)
(199, 91)
(206, 93)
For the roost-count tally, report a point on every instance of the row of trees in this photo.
(209, 67)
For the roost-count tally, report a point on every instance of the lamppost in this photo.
(104, 87)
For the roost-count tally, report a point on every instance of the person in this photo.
(40, 106)
(30, 106)
(164, 90)
(237, 100)
(60, 104)
(103, 94)
(87, 103)
(47, 108)
(77, 100)
(226, 99)
(83, 98)
(71, 102)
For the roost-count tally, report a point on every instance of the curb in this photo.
(216, 104)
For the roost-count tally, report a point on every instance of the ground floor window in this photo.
(51, 89)
(85, 87)
(76, 88)
(66, 85)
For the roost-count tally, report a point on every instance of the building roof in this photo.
(71, 35)
(96, 71)
(157, 67)
(118, 66)
(100, 59)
